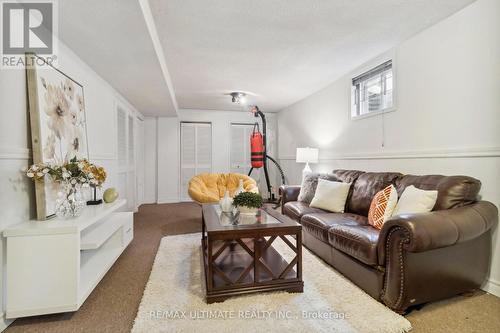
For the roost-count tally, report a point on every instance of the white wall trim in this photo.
(102, 157)
(25, 154)
(439, 153)
(7, 153)
(492, 286)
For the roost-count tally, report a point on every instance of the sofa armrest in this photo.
(437, 229)
(288, 193)
(460, 239)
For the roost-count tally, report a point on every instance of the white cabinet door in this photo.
(196, 153)
(126, 147)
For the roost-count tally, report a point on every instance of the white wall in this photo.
(150, 162)
(447, 119)
(168, 155)
(169, 147)
(17, 202)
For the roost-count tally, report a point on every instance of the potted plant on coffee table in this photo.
(248, 202)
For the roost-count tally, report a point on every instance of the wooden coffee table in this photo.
(238, 256)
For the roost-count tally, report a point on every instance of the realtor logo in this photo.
(27, 26)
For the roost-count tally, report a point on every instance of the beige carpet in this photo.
(173, 300)
(477, 313)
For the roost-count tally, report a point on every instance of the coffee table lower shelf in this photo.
(248, 265)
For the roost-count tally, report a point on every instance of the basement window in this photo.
(372, 91)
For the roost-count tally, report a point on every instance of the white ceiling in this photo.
(281, 51)
(112, 37)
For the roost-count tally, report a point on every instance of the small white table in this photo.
(53, 266)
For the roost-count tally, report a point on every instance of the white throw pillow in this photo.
(330, 195)
(414, 200)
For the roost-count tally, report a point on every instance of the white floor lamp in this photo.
(307, 155)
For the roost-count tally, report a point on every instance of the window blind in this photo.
(372, 91)
(372, 72)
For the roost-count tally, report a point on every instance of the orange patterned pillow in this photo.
(382, 206)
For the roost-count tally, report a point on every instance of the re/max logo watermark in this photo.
(28, 26)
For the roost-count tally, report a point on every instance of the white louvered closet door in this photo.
(131, 170)
(240, 148)
(196, 152)
(140, 161)
(122, 166)
(126, 169)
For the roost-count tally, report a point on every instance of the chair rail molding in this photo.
(104, 156)
(10, 153)
(416, 154)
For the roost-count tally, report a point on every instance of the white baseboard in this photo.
(492, 287)
(4, 323)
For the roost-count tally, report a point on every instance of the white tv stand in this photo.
(53, 266)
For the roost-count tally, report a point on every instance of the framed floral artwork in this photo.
(58, 125)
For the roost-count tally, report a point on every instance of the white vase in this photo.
(240, 188)
(226, 203)
(70, 202)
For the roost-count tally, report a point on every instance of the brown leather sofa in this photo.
(415, 258)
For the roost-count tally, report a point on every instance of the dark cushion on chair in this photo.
(317, 224)
(347, 176)
(453, 191)
(365, 188)
(356, 240)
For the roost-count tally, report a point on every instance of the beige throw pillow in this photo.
(330, 195)
(414, 200)
(309, 184)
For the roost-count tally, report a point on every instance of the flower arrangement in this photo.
(72, 175)
(74, 172)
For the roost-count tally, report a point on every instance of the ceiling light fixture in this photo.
(238, 97)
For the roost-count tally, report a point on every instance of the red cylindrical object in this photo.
(257, 148)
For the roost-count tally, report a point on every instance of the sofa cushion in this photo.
(296, 209)
(317, 224)
(453, 191)
(357, 240)
(365, 188)
(347, 176)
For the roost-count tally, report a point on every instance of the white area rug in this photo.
(173, 300)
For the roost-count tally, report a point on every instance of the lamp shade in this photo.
(307, 155)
